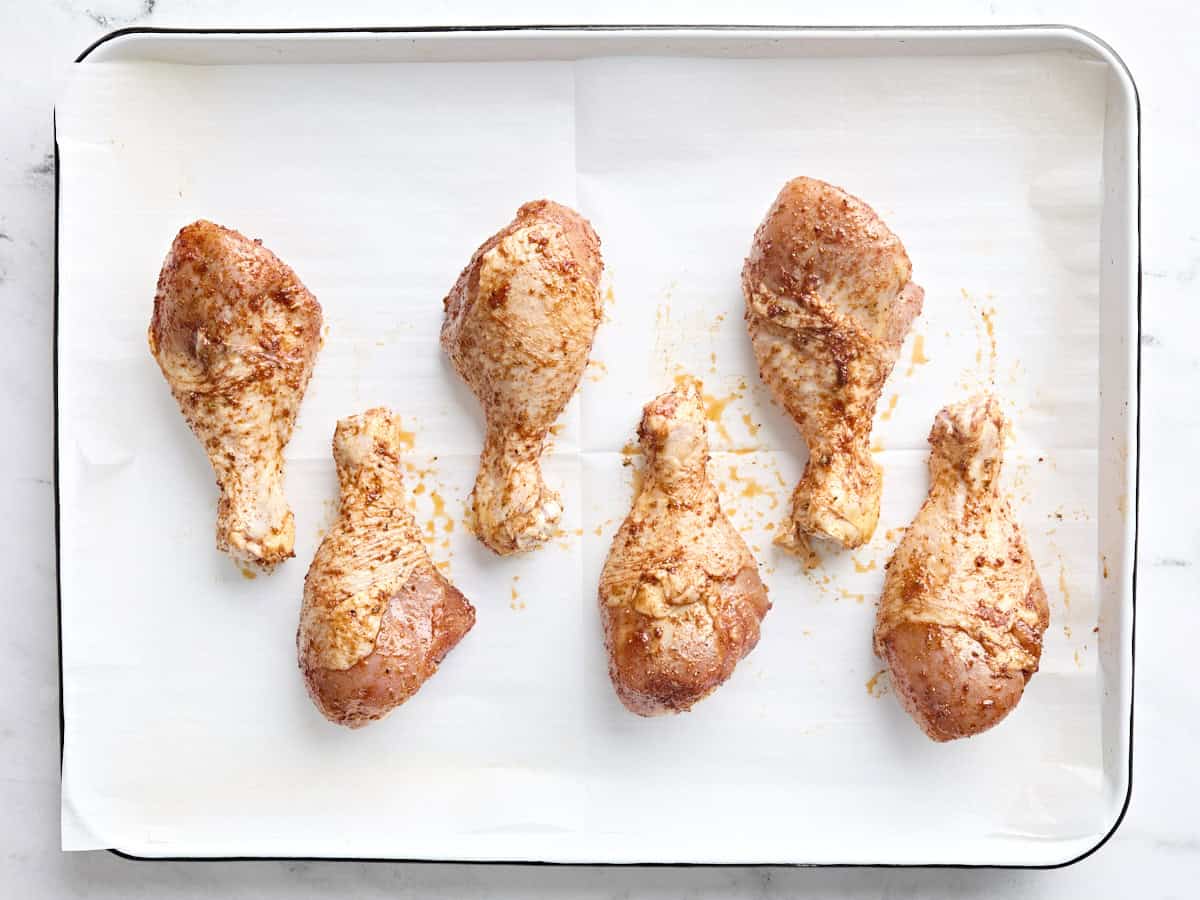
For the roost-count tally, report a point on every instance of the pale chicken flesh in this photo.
(378, 617)
(680, 594)
(829, 301)
(963, 612)
(236, 335)
(519, 325)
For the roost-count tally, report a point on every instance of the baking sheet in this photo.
(188, 731)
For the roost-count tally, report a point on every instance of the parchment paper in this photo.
(188, 731)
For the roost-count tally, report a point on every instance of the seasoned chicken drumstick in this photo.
(680, 594)
(378, 617)
(519, 325)
(963, 612)
(236, 335)
(828, 303)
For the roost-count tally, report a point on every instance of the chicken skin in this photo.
(378, 617)
(518, 328)
(828, 304)
(680, 595)
(236, 335)
(963, 612)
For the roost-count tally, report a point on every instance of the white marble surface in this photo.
(1156, 852)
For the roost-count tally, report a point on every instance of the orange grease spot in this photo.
(891, 407)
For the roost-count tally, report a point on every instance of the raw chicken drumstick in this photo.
(680, 594)
(963, 612)
(378, 617)
(236, 335)
(519, 325)
(828, 303)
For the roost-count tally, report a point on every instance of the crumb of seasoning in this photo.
(248, 574)
(596, 370)
(875, 687)
(811, 559)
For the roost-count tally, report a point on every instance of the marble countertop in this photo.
(1156, 851)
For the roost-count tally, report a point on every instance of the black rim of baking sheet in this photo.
(468, 29)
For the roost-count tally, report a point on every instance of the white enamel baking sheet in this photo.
(374, 165)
